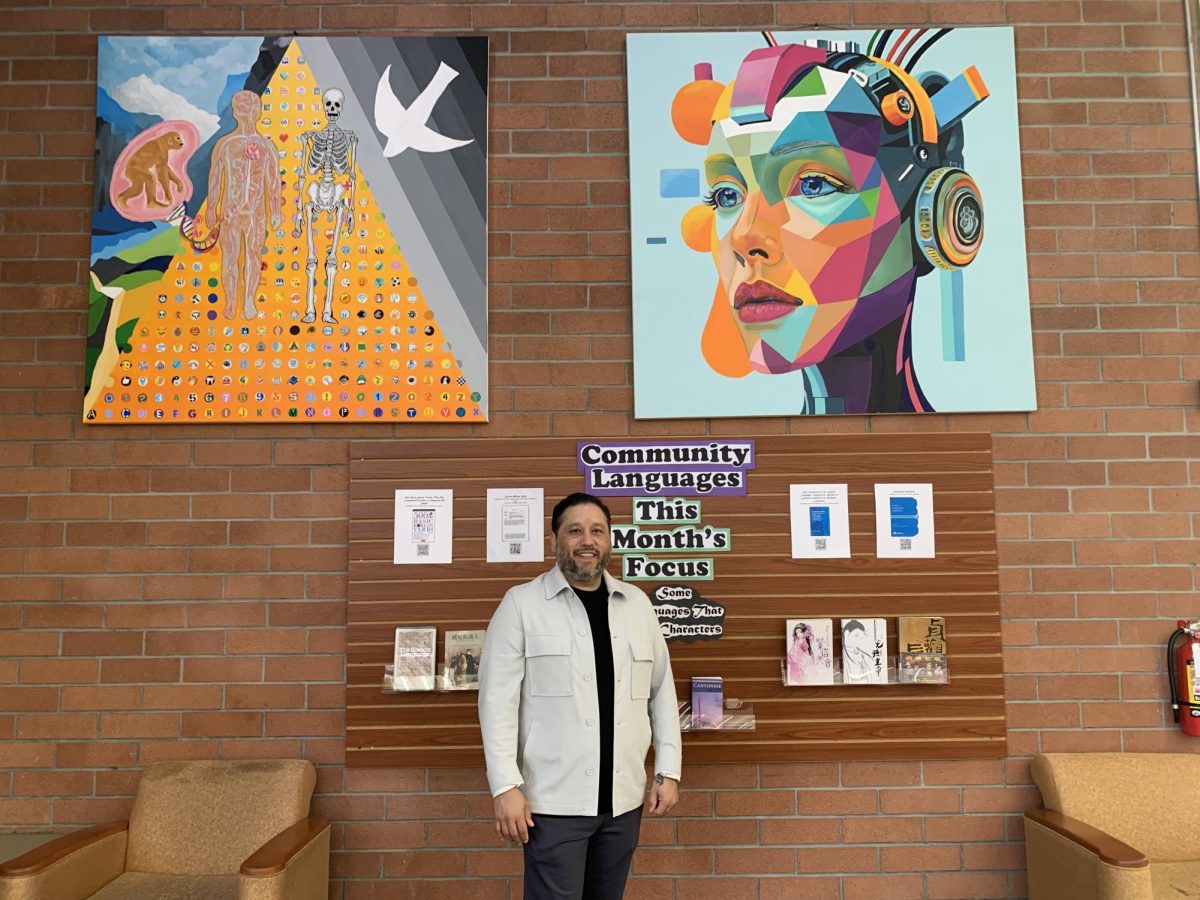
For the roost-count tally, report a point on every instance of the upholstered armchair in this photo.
(1115, 826)
(198, 831)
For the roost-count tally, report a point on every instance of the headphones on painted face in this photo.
(946, 207)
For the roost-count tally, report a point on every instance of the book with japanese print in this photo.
(922, 650)
(414, 659)
(460, 668)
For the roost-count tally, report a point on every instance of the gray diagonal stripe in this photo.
(452, 276)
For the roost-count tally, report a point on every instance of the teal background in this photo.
(673, 286)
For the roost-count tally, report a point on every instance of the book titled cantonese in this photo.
(708, 701)
(414, 659)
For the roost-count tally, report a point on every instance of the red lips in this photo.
(760, 301)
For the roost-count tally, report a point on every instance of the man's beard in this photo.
(575, 572)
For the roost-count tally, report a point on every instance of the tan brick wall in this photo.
(177, 592)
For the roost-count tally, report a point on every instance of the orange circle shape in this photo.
(692, 109)
(697, 227)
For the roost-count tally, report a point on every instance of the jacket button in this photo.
(582, 633)
(587, 677)
(591, 721)
(591, 772)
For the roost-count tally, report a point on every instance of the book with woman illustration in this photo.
(810, 651)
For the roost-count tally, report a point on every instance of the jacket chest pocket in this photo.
(641, 669)
(548, 665)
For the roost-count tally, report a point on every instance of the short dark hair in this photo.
(575, 499)
(852, 624)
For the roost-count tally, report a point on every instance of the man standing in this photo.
(574, 681)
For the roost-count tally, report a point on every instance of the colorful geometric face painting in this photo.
(289, 229)
(809, 214)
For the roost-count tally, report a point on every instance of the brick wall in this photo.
(179, 592)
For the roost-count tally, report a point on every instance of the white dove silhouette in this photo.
(406, 128)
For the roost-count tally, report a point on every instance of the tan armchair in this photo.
(1115, 826)
(198, 831)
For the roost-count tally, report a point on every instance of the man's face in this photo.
(806, 224)
(856, 639)
(582, 545)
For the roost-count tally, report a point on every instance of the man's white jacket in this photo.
(538, 702)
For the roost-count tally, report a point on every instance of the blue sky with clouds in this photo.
(195, 68)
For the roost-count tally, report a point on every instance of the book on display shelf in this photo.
(414, 659)
(708, 701)
(922, 655)
(809, 657)
(464, 650)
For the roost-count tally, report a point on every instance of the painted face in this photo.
(809, 244)
(582, 545)
(856, 639)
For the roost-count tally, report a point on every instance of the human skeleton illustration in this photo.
(329, 154)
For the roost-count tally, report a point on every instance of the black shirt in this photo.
(596, 604)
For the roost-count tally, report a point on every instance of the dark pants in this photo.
(580, 857)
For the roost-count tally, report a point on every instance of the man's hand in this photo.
(663, 796)
(513, 818)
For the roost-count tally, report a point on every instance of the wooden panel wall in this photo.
(757, 581)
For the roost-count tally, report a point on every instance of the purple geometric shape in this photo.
(858, 132)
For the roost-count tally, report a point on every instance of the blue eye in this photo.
(724, 196)
(815, 186)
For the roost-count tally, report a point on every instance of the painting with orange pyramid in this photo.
(289, 229)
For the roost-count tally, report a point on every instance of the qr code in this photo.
(905, 543)
(422, 549)
(821, 544)
(514, 549)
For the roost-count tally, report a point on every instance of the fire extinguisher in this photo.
(1183, 670)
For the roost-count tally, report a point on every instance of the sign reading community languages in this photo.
(681, 468)
(683, 615)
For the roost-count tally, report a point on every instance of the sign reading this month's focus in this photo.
(688, 537)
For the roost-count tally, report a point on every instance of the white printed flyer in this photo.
(904, 521)
(820, 521)
(515, 525)
(424, 530)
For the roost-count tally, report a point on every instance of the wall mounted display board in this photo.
(827, 222)
(750, 574)
(288, 229)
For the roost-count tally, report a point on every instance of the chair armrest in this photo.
(71, 867)
(1106, 847)
(39, 859)
(271, 858)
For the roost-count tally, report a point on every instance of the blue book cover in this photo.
(708, 701)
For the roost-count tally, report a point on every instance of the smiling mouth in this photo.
(760, 301)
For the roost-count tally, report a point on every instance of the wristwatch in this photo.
(659, 778)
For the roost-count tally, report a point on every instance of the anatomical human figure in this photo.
(243, 186)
